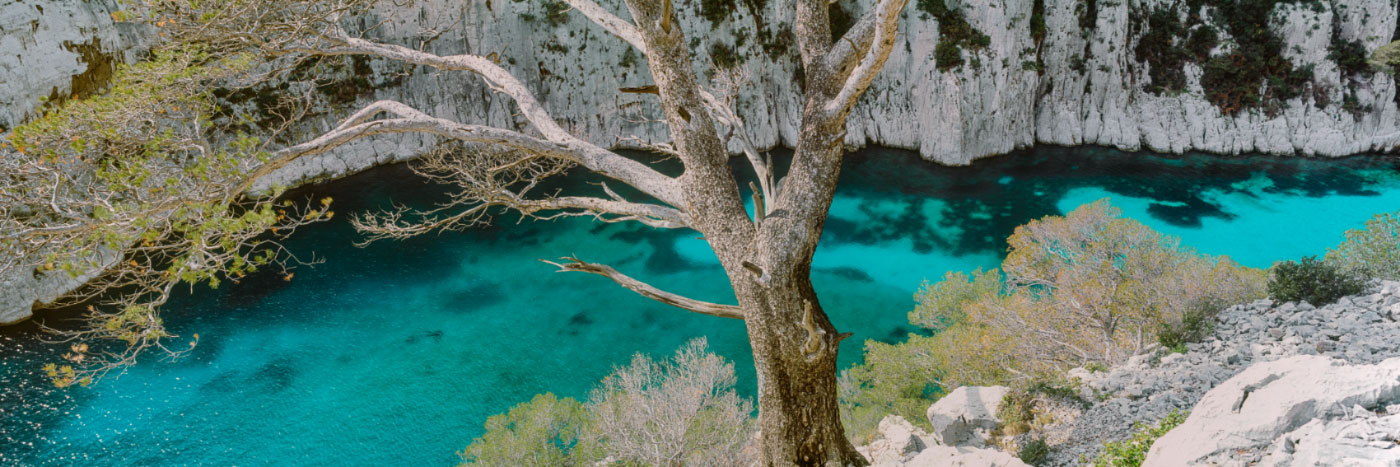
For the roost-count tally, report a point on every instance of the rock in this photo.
(899, 441)
(963, 456)
(1361, 441)
(1254, 408)
(1326, 346)
(967, 415)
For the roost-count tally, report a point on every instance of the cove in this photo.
(396, 353)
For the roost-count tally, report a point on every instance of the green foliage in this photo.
(1133, 451)
(1197, 323)
(1163, 50)
(1038, 22)
(724, 56)
(1064, 277)
(1372, 251)
(894, 379)
(556, 12)
(1387, 57)
(1316, 282)
(542, 432)
(717, 11)
(954, 34)
(1088, 11)
(133, 170)
(1350, 57)
(1034, 452)
(678, 411)
(1233, 81)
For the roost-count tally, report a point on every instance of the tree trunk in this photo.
(796, 364)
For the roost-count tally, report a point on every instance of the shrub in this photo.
(1195, 325)
(1132, 452)
(894, 379)
(1313, 281)
(1078, 289)
(542, 432)
(1372, 251)
(682, 411)
(1034, 452)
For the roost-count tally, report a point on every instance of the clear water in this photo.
(395, 354)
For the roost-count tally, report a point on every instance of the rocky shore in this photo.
(1278, 384)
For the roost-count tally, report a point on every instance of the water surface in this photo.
(395, 354)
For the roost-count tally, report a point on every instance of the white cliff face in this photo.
(49, 46)
(994, 103)
(1078, 86)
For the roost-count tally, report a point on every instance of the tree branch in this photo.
(594, 158)
(411, 120)
(647, 290)
(886, 26)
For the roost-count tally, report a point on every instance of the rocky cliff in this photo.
(969, 79)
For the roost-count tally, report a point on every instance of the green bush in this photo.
(1372, 251)
(1034, 452)
(1194, 326)
(1313, 281)
(894, 379)
(682, 410)
(542, 432)
(1132, 452)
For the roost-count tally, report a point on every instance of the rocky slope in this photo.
(1278, 384)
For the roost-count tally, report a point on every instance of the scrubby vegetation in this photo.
(1316, 282)
(954, 34)
(1086, 288)
(1132, 452)
(681, 411)
(1372, 251)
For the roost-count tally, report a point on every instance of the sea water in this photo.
(395, 354)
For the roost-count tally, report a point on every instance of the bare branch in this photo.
(649, 291)
(881, 43)
(597, 159)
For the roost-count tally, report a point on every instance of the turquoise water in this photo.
(395, 354)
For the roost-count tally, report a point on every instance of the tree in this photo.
(682, 411)
(766, 256)
(1089, 287)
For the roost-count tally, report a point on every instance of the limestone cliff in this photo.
(968, 80)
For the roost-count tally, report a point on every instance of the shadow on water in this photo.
(987, 201)
(897, 198)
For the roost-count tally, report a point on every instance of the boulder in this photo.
(1262, 403)
(963, 456)
(1360, 441)
(899, 441)
(966, 416)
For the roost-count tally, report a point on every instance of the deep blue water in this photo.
(395, 354)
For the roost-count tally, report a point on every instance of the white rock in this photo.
(967, 415)
(963, 456)
(898, 442)
(1266, 400)
(1367, 441)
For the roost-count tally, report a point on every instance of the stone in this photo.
(1360, 441)
(898, 442)
(1266, 400)
(967, 415)
(963, 456)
